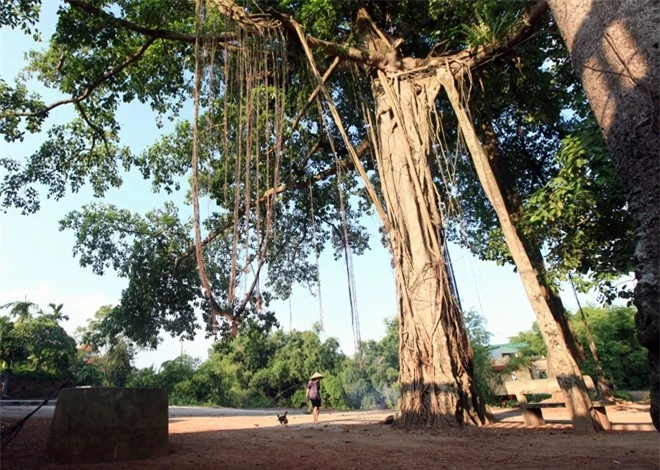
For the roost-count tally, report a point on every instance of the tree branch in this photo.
(352, 54)
(346, 163)
(464, 61)
(88, 91)
(149, 32)
(458, 63)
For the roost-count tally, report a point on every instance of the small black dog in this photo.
(283, 419)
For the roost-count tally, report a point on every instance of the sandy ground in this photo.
(358, 440)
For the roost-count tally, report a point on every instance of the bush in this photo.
(258, 401)
(298, 399)
(333, 394)
(144, 378)
(622, 395)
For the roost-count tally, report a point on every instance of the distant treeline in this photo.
(266, 367)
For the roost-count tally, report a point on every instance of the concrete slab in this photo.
(108, 425)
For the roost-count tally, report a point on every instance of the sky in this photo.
(36, 261)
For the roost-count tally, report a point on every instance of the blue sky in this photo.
(36, 259)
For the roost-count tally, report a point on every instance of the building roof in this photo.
(509, 348)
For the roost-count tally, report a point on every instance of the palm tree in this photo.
(21, 309)
(56, 312)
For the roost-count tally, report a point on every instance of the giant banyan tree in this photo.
(306, 115)
(436, 377)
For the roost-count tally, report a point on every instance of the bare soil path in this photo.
(358, 440)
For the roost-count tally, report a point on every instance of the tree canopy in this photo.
(101, 57)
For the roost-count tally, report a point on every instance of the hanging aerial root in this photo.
(335, 115)
(253, 84)
(215, 308)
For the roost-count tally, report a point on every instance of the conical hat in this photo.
(316, 375)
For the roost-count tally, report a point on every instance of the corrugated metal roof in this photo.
(510, 347)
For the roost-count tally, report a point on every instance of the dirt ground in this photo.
(358, 440)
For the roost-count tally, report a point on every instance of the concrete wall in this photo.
(24, 388)
(108, 424)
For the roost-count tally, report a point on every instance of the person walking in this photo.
(313, 394)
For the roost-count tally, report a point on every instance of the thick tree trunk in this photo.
(615, 51)
(555, 304)
(510, 200)
(436, 372)
(556, 337)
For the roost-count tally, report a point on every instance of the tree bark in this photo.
(615, 51)
(551, 302)
(556, 337)
(436, 371)
(555, 304)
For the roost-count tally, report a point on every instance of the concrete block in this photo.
(108, 425)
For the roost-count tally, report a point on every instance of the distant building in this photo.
(505, 350)
(509, 365)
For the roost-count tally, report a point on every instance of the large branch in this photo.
(249, 23)
(464, 61)
(90, 88)
(331, 49)
(458, 63)
(155, 33)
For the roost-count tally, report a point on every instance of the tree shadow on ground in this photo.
(206, 442)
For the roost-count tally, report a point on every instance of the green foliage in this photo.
(536, 397)
(613, 329)
(12, 127)
(116, 364)
(88, 60)
(35, 344)
(84, 372)
(142, 249)
(110, 354)
(489, 25)
(379, 369)
(49, 348)
(144, 378)
(480, 342)
(56, 314)
(584, 213)
(177, 370)
(23, 310)
(622, 357)
(13, 349)
(57, 164)
(551, 164)
(533, 340)
(621, 395)
(21, 14)
(262, 368)
(475, 324)
(321, 18)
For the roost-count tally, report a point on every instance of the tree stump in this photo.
(108, 425)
